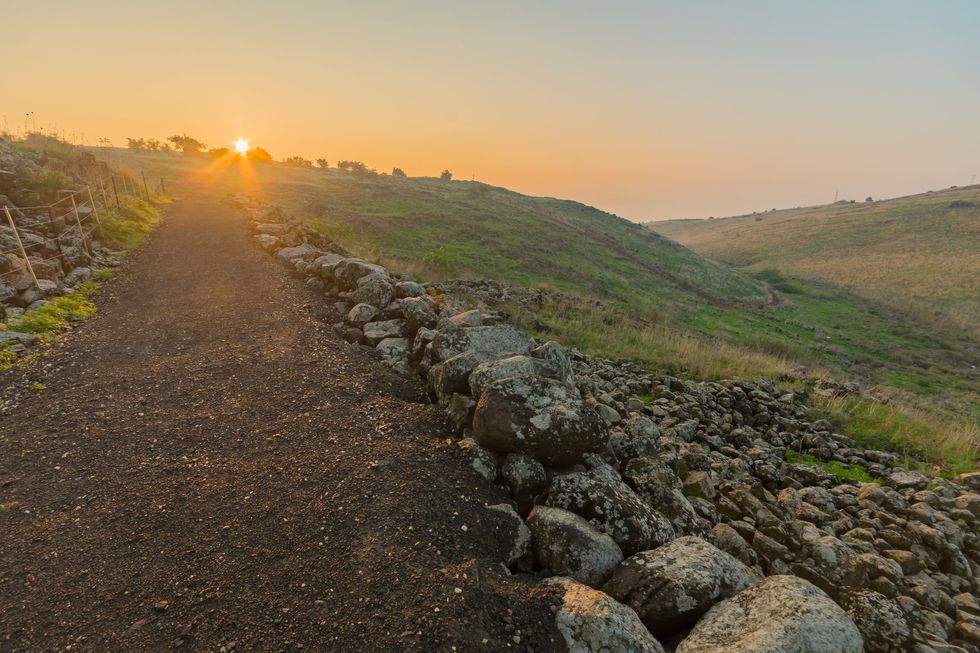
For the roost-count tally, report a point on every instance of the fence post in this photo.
(163, 186)
(145, 189)
(105, 198)
(20, 244)
(115, 191)
(95, 211)
(78, 221)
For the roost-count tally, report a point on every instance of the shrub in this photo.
(398, 172)
(446, 175)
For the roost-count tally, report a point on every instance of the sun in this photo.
(241, 146)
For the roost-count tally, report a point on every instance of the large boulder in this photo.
(538, 416)
(375, 332)
(489, 341)
(418, 312)
(394, 352)
(374, 289)
(567, 545)
(881, 621)
(613, 508)
(781, 614)
(592, 622)
(671, 587)
(346, 272)
(511, 367)
(302, 252)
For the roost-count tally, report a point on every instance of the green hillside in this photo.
(663, 305)
(919, 254)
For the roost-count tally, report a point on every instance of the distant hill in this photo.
(920, 254)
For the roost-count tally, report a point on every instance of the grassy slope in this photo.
(435, 229)
(918, 254)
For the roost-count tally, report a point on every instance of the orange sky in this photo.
(640, 108)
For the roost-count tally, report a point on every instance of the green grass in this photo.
(840, 470)
(950, 446)
(127, 226)
(58, 313)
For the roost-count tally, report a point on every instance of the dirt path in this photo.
(207, 466)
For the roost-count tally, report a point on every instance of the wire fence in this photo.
(76, 211)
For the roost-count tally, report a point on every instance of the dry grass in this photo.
(949, 446)
(610, 333)
(918, 254)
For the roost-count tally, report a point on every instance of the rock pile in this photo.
(55, 248)
(693, 516)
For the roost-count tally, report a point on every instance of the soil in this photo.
(204, 466)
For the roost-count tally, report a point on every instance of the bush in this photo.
(446, 175)
(398, 172)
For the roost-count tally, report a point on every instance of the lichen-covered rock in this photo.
(418, 313)
(453, 374)
(567, 545)
(489, 341)
(881, 621)
(347, 271)
(482, 461)
(394, 352)
(540, 417)
(373, 289)
(613, 508)
(512, 367)
(593, 622)
(375, 332)
(672, 586)
(360, 315)
(404, 289)
(300, 252)
(781, 614)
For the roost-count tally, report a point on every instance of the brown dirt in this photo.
(207, 466)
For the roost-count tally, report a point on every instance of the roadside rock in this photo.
(881, 621)
(567, 545)
(540, 417)
(671, 587)
(781, 614)
(515, 531)
(592, 622)
(613, 508)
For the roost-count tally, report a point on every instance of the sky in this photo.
(648, 109)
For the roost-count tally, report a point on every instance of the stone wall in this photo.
(666, 510)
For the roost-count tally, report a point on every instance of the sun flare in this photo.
(241, 146)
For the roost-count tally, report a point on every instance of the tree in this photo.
(258, 154)
(322, 163)
(187, 144)
(219, 151)
(352, 166)
(137, 144)
(298, 162)
(868, 199)
(398, 172)
(446, 175)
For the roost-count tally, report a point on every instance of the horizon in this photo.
(648, 112)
